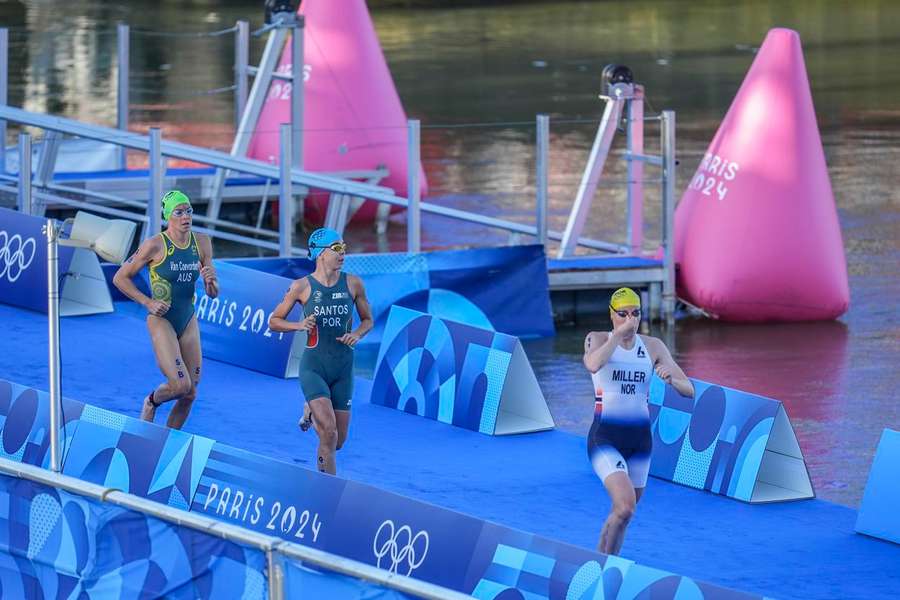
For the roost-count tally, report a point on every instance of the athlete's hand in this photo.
(307, 324)
(664, 373)
(210, 281)
(627, 327)
(157, 307)
(348, 338)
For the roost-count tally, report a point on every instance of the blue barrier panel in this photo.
(54, 544)
(234, 327)
(137, 457)
(269, 496)
(727, 442)
(25, 424)
(23, 270)
(513, 564)
(878, 514)
(469, 377)
(350, 519)
(504, 289)
(418, 539)
(304, 581)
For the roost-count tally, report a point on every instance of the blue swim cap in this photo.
(320, 239)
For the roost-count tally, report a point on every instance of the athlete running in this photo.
(178, 258)
(328, 296)
(621, 363)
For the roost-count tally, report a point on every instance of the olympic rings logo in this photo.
(16, 255)
(400, 547)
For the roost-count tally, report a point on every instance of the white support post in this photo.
(157, 169)
(285, 201)
(4, 91)
(123, 32)
(255, 102)
(297, 83)
(241, 62)
(413, 210)
(541, 176)
(635, 176)
(24, 198)
(591, 177)
(668, 194)
(53, 342)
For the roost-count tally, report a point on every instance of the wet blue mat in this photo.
(540, 482)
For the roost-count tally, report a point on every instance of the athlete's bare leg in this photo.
(170, 362)
(324, 421)
(342, 419)
(189, 342)
(624, 498)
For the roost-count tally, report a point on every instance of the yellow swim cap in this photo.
(624, 297)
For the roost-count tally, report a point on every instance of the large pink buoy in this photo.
(757, 234)
(353, 118)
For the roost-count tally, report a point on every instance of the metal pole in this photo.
(24, 198)
(635, 174)
(156, 183)
(122, 101)
(541, 177)
(668, 194)
(285, 202)
(413, 210)
(53, 341)
(241, 60)
(4, 89)
(590, 179)
(297, 85)
(255, 100)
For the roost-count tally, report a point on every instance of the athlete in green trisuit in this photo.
(326, 368)
(177, 258)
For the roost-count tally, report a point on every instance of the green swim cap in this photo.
(171, 200)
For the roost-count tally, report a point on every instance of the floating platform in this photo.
(581, 286)
(541, 482)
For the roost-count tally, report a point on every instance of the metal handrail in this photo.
(266, 543)
(223, 160)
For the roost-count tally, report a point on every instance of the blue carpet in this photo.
(541, 482)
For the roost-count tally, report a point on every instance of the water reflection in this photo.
(801, 364)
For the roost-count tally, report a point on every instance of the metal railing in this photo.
(274, 547)
(626, 105)
(301, 179)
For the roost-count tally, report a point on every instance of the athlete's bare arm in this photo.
(358, 291)
(207, 270)
(151, 251)
(298, 292)
(666, 367)
(599, 345)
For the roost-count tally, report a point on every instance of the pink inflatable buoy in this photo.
(757, 234)
(353, 118)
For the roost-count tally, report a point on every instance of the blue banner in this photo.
(25, 424)
(270, 496)
(305, 581)
(303, 506)
(235, 326)
(504, 289)
(714, 441)
(54, 544)
(137, 457)
(878, 514)
(23, 260)
(442, 370)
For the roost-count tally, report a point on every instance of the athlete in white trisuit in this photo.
(621, 363)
